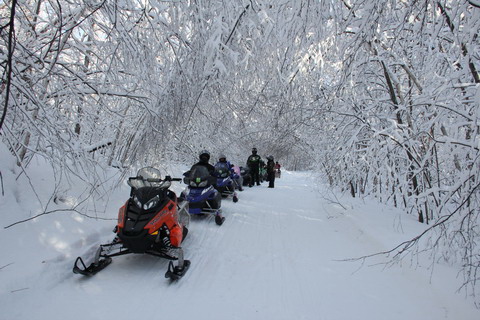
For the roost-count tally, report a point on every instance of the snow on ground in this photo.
(279, 255)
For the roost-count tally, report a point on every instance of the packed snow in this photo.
(282, 253)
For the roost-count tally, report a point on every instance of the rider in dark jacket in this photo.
(270, 172)
(253, 163)
(204, 157)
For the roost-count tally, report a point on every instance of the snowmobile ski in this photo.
(92, 269)
(177, 272)
(219, 219)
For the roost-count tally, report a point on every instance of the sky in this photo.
(282, 253)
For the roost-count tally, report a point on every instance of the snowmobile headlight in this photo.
(151, 203)
(198, 183)
(137, 202)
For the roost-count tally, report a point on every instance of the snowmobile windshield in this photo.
(199, 172)
(200, 177)
(222, 170)
(149, 172)
(148, 177)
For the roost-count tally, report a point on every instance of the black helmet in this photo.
(254, 150)
(270, 158)
(204, 156)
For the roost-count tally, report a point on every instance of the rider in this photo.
(277, 168)
(204, 157)
(224, 164)
(270, 172)
(237, 178)
(253, 162)
(277, 165)
(197, 172)
(223, 159)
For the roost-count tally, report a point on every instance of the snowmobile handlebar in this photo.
(167, 178)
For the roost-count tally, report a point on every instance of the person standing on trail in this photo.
(270, 172)
(253, 163)
(277, 170)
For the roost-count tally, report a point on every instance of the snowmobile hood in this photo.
(148, 198)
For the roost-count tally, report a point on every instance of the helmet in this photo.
(222, 156)
(270, 158)
(204, 156)
(204, 152)
(254, 150)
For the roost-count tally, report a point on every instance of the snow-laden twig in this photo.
(9, 61)
(1, 183)
(8, 264)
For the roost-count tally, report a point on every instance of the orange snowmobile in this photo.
(152, 221)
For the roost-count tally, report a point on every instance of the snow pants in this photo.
(255, 174)
(271, 179)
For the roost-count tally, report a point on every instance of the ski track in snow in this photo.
(277, 256)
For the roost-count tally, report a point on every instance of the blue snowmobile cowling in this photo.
(225, 183)
(201, 195)
(197, 197)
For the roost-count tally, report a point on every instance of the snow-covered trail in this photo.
(275, 257)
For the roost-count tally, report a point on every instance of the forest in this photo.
(379, 98)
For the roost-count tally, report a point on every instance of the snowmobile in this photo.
(263, 172)
(278, 173)
(225, 184)
(245, 173)
(237, 178)
(152, 221)
(201, 194)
